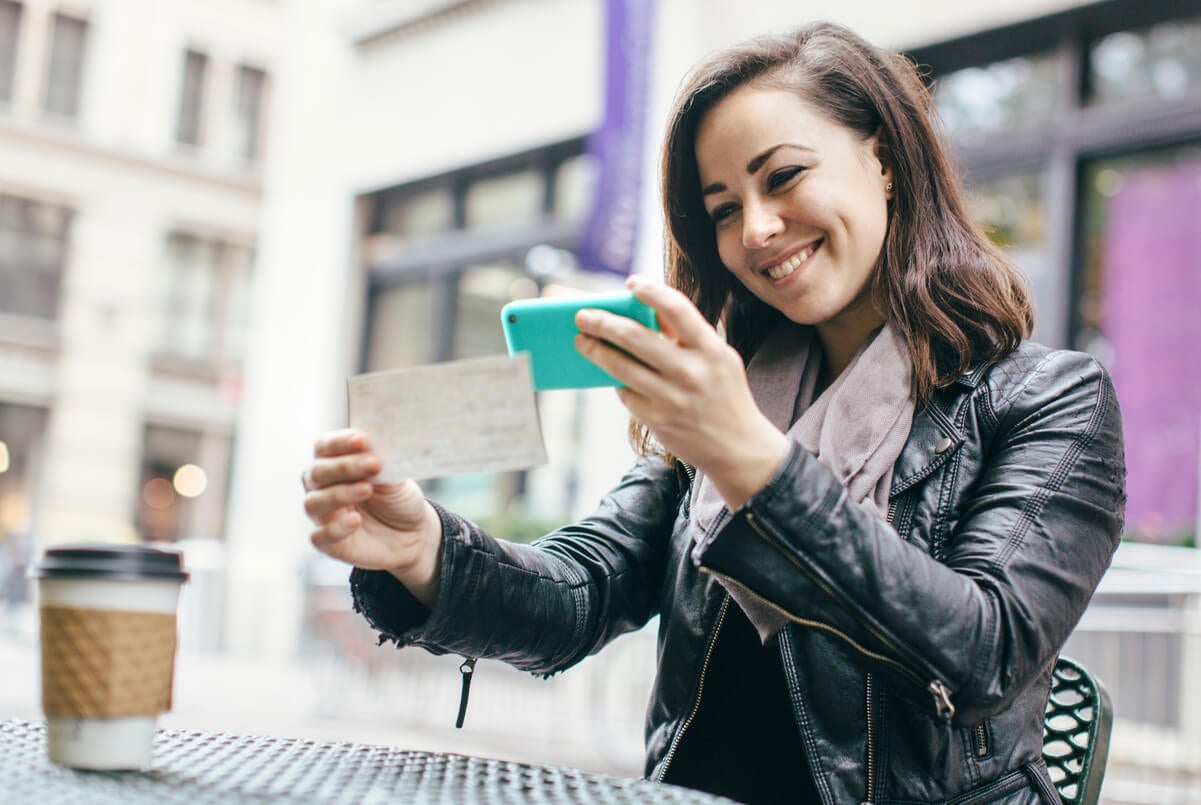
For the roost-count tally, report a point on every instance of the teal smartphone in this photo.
(545, 328)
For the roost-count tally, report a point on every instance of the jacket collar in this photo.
(933, 440)
(973, 376)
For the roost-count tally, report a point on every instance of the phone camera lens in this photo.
(512, 318)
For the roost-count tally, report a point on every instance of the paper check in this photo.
(474, 415)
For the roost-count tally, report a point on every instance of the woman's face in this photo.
(798, 204)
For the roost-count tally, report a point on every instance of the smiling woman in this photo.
(868, 512)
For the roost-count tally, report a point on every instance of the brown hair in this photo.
(947, 288)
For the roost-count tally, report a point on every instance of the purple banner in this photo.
(611, 231)
(1152, 321)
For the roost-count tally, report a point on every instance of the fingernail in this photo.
(585, 318)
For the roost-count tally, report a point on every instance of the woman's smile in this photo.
(782, 269)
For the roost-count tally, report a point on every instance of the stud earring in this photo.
(888, 187)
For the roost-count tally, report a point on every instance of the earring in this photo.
(888, 187)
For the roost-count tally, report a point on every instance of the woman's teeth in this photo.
(790, 265)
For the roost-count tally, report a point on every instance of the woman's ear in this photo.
(884, 157)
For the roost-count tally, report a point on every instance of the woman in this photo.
(869, 513)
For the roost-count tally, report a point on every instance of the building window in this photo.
(403, 333)
(64, 70)
(172, 481)
(33, 250)
(1162, 61)
(10, 30)
(1014, 92)
(251, 91)
(509, 199)
(189, 126)
(575, 180)
(205, 312)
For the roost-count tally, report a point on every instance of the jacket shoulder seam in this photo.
(1063, 467)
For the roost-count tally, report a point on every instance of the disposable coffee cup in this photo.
(107, 618)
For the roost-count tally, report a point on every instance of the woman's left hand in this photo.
(689, 387)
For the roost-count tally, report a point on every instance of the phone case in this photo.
(546, 329)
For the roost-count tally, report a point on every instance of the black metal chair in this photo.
(1076, 731)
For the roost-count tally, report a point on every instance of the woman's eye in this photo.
(782, 177)
(723, 212)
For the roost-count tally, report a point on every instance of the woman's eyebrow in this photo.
(755, 164)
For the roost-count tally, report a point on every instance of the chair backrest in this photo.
(1076, 731)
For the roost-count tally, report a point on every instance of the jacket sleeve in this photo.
(540, 607)
(1037, 529)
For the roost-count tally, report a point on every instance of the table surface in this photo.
(207, 767)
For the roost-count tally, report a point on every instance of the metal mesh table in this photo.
(198, 767)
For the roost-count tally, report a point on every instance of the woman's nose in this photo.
(760, 224)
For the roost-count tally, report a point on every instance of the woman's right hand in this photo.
(370, 525)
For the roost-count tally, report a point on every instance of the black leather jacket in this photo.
(918, 664)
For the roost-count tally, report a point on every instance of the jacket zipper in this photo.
(696, 705)
(690, 471)
(981, 740)
(467, 669)
(937, 688)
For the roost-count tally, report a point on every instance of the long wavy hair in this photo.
(951, 293)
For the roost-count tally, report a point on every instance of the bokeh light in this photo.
(158, 494)
(190, 481)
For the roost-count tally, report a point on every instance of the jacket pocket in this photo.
(978, 740)
(1014, 788)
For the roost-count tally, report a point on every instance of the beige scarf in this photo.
(856, 427)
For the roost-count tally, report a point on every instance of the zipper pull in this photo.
(942, 700)
(467, 669)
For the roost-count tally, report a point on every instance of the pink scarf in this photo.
(856, 427)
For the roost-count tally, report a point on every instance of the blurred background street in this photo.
(212, 214)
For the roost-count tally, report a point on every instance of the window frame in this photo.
(189, 104)
(78, 66)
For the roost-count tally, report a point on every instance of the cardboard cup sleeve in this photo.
(106, 663)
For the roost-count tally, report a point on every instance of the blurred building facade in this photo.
(131, 144)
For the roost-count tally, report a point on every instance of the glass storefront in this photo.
(1162, 61)
(1140, 290)
(998, 96)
